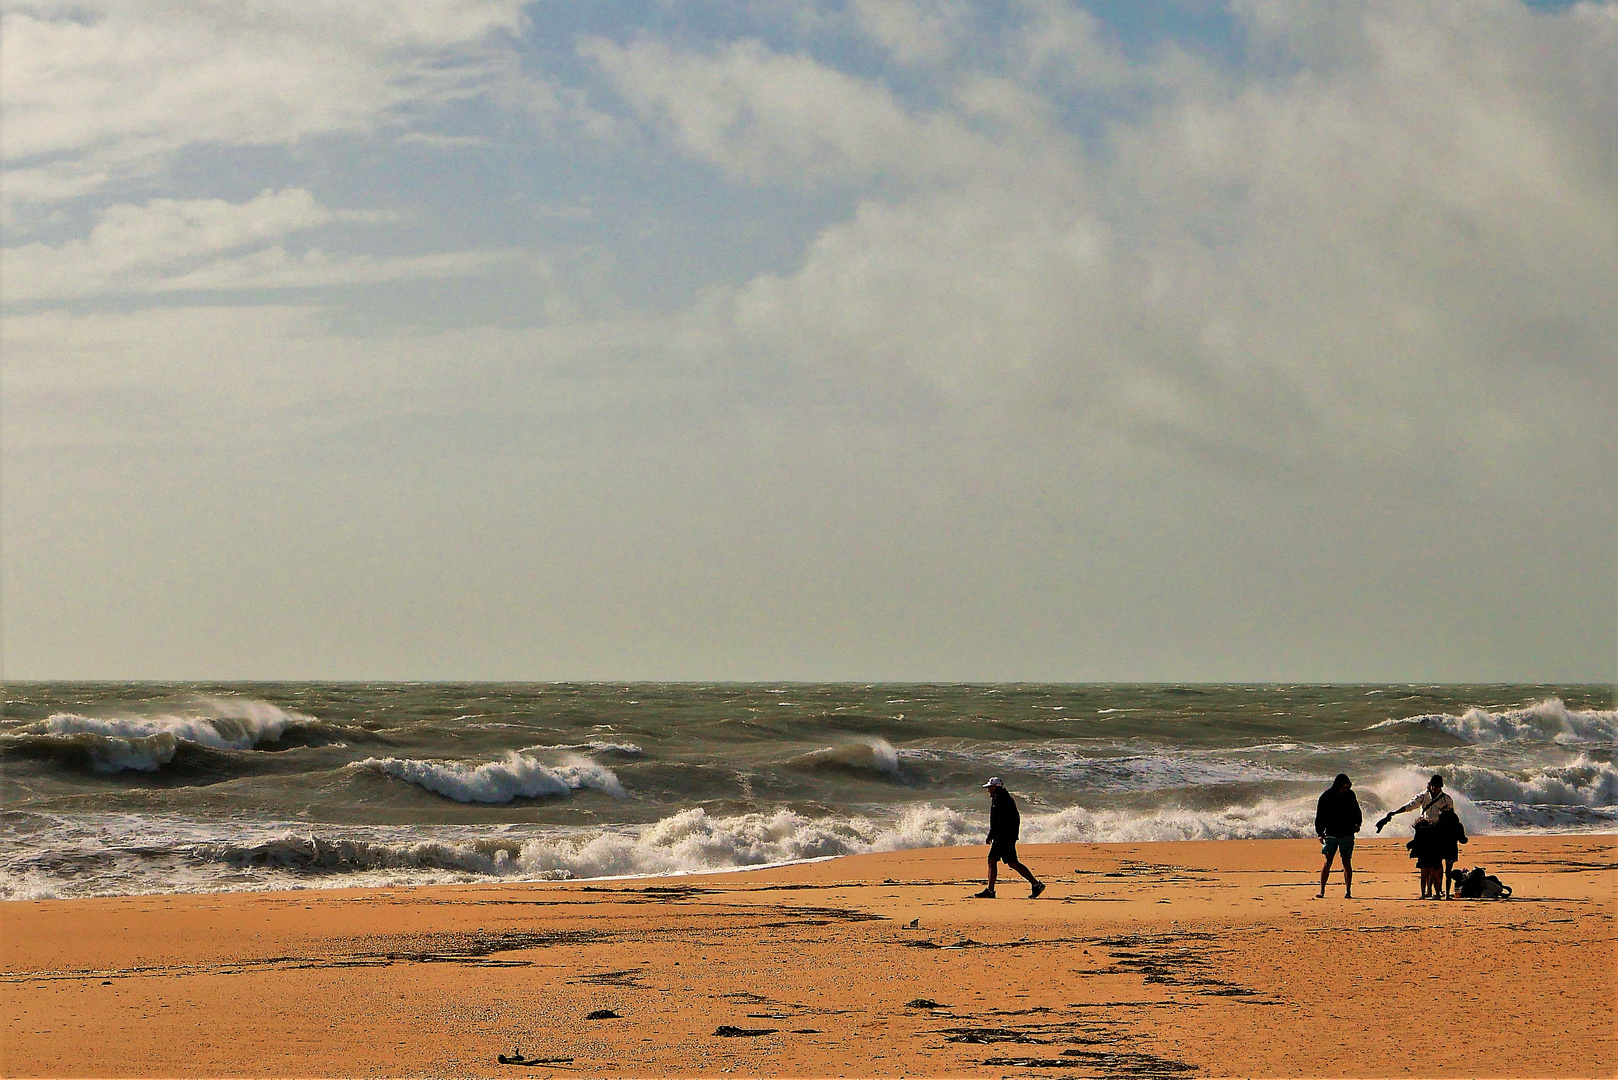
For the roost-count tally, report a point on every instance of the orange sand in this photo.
(1142, 960)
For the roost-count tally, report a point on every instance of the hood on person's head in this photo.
(1342, 781)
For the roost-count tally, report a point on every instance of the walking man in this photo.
(1004, 823)
(1337, 819)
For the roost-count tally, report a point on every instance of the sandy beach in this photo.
(1145, 960)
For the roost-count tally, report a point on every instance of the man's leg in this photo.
(989, 892)
(1027, 874)
(1348, 875)
(1325, 873)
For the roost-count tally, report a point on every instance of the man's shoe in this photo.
(1039, 887)
(986, 894)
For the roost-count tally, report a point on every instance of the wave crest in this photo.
(314, 854)
(872, 755)
(1547, 721)
(1582, 782)
(147, 742)
(511, 777)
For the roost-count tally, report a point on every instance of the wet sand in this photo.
(1142, 960)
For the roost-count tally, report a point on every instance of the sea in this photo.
(141, 788)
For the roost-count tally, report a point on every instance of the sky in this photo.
(878, 340)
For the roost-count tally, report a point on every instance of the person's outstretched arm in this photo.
(1413, 804)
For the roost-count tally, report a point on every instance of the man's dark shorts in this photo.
(1006, 853)
(1330, 845)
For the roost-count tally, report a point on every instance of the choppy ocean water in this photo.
(141, 788)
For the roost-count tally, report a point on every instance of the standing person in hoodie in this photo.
(1337, 819)
(1004, 823)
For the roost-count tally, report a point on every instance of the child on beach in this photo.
(1448, 834)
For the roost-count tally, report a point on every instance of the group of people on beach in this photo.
(1435, 845)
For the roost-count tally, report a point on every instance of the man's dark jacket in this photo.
(1338, 813)
(1004, 820)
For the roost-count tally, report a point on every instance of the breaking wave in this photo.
(1583, 782)
(314, 854)
(1547, 721)
(870, 755)
(147, 742)
(515, 776)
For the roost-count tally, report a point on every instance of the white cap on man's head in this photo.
(994, 781)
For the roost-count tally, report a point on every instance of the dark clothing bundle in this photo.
(1004, 823)
(1338, 813)
(1475, 884)
(1437, 843)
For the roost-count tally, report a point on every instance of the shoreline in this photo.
(1161, 955)
(334, 882)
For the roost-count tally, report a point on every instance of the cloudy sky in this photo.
(866, 340)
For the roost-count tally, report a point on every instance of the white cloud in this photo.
(169, 245)
(1397, 250)
(1402, 258)
(765, 116)
(915, 33)
(96, 90)
(1067, 44)
(1370, 261)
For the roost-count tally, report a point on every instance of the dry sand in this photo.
(1142, 960)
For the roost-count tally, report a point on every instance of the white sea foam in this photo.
(169, 856)
(1086, 769)
(1547, 721)
(140, 855)
(511, 777)
(594, 746)
(1266, 819)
